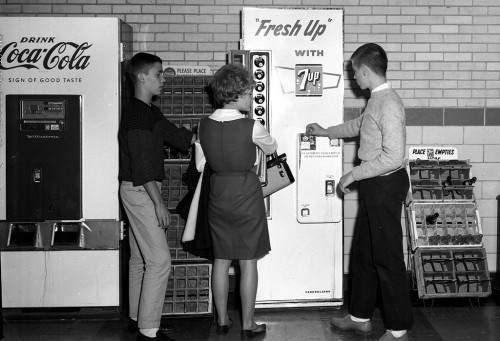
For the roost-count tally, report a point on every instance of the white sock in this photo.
(398, 333)
(134, 319)
(150, 332)
(357, 319)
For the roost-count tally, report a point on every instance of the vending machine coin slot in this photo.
(37, 175)
(330, 187)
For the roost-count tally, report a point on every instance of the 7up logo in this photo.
(308, 80)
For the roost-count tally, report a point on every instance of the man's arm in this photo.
(178, 137)
(350, 128)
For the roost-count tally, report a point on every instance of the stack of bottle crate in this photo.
(448, 257)
(184, 101)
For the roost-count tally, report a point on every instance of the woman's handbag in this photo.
(278, 175)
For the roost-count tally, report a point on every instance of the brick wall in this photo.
(444, 62)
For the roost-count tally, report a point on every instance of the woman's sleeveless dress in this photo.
(236, 210)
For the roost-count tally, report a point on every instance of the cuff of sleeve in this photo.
(331, 133)
(354, 173)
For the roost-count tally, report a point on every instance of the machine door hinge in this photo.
(122, 53)
(122, 230)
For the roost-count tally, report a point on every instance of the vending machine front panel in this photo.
(43, 149)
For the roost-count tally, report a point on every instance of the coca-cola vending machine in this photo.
(60, 99)
(296, 56)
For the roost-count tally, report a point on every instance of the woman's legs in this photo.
(220, 288)
(248, 292)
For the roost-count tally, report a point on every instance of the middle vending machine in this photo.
(296, 56)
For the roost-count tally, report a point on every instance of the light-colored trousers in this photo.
(150, 261)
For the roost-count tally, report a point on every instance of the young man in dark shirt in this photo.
(143, 132)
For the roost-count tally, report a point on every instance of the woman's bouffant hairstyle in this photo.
(230, 82)
(141, 62)
(371, 55)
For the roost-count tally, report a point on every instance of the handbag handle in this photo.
(275, 159)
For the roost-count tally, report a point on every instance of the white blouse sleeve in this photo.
(199, 156)
(263, 139)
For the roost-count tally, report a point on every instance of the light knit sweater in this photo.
(382, 133)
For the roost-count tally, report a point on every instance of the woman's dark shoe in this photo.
(224, 329)
(250, 334)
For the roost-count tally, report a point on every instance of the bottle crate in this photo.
(473, 282)
(174, 237)
(184, 101)
(444, 224)
(470, 260)
(171, 153)
(185, 95)
(432, 180)
(437, 261)
(454, 272)
(440, 283)
(189, 290)
(173, 189)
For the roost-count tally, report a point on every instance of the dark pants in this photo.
(377, 251)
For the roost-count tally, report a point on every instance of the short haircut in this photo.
(141, 62)
(371, 55)
(230, 82)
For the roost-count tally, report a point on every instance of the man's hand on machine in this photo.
(316, 130)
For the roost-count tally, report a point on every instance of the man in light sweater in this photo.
(377, 260)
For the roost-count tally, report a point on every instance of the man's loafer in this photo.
(389, 337)
(160, 336)
(134, 328)
(346, 323)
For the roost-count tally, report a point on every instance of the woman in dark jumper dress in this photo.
(236, 210)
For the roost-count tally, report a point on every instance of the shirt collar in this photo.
(382, 87)
(221, 114)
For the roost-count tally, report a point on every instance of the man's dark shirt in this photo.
(143, 132)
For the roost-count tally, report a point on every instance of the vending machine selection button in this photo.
(259, 99)
(259, 111)
(259, 74)
(259, 61)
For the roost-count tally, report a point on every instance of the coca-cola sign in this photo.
(63, 55)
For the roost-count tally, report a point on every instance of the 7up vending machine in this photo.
(296, 56)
